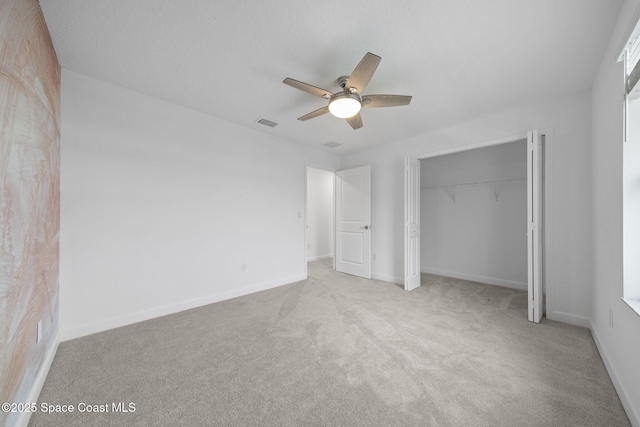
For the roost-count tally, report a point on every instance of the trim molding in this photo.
(319, 257)
(489, 280)
(632, 413)
(385, 278)
(116, 322)
(572, 319)
(36, 387)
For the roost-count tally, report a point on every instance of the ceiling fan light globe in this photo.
(345, 106)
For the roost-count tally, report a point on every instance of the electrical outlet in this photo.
(611, 318)
(243, 266)
(39, 332)
(373, 256)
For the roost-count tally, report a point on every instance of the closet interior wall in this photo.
(473, 215)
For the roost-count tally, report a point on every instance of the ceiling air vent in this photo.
(267, 123)
(331, 144)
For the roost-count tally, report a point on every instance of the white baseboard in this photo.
(36, 387)
(319, 257)
(632, 412)
(475, 278)
(572, 319)
(385, 278)
(116, 322)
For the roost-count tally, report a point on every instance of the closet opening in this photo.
(477, 214)
(474, 215)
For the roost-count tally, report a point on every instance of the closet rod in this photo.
(495, 185)
(466, 184)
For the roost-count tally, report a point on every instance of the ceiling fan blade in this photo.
(355, 121)
(313, 90)
(316, 113)
(359, 78)
(375, 101)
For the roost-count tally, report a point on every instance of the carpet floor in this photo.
(338, 350)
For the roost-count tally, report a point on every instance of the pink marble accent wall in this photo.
(29, 196)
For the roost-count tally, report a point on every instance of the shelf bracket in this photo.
(496, 187)
(451, 191)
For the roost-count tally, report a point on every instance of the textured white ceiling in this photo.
(459, 59)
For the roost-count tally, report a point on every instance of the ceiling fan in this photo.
(346, 104)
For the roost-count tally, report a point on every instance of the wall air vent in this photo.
(331, 144)
(267, 123)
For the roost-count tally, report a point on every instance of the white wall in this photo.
(161, 205)
(568, 216)
(468, 233)
(319, 214)
(619, 343)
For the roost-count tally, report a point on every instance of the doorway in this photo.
(538, 176)
(338, 218)
(320, 214)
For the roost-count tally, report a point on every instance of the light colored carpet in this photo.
(337, 350)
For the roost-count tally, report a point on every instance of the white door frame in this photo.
(547, 202)
(308, 165)
(534, 226)
(411, 224)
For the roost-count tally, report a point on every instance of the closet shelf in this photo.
(496, 186)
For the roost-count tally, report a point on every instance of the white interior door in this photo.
(353, 221)
(411, 224)
(534, 226)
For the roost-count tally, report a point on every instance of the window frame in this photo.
(631, 61)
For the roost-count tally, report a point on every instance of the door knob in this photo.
(366, 227)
